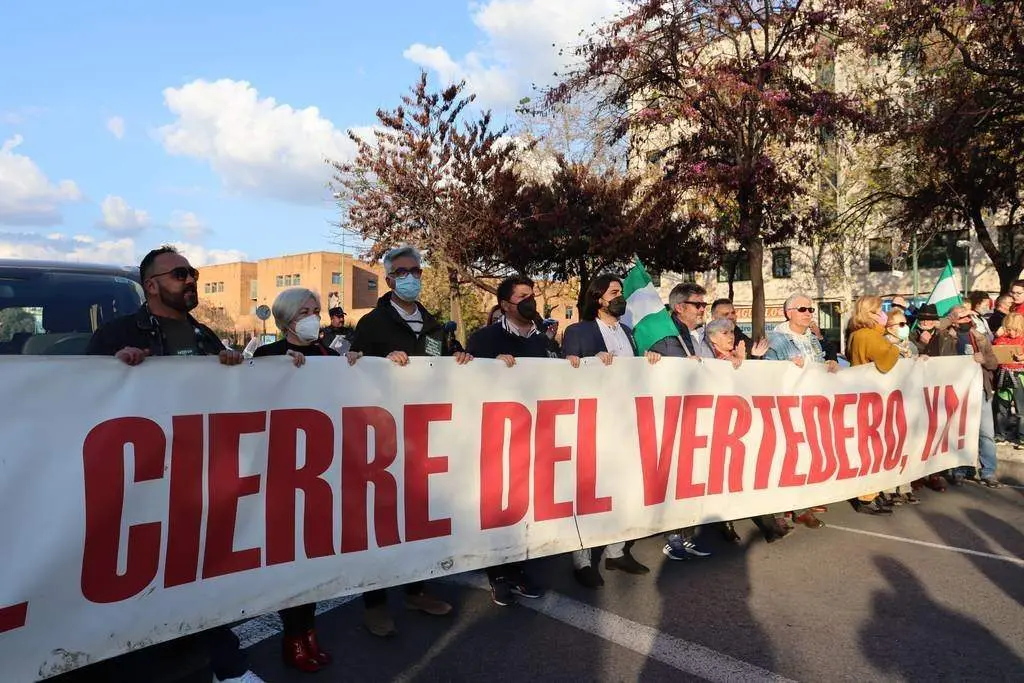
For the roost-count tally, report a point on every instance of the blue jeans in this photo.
(986, 442)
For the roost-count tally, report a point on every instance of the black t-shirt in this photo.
(283, 346)
(180, 336)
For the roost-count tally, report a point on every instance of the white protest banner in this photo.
(141, 504)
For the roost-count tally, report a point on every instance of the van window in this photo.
(55, 313)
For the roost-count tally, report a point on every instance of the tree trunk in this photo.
(755, 257)
(734, 263)
(455, 304)
(1008, 264)
(584, 283)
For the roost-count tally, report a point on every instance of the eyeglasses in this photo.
(803, 309)
(181, 273)
(416, 272)
(699, 305)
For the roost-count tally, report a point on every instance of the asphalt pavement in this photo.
(936, 592)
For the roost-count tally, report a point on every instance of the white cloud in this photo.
(121, 219)
(521, 42)
(189, 225)
(27, 197)
(115, 125)
(255, 144)
(199, 255)
(58, 247)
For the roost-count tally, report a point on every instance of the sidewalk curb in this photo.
(1009, 453)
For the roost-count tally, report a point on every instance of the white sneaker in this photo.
(247, 677)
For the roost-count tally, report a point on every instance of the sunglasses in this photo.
(699, 305)
(181, 273)
(416, 272)
(803, 309)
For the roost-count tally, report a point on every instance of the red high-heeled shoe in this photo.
(297, 655)
(313, 648)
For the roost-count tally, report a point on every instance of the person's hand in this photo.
(231, 357)
(132, 356)
(461, 357)
(741, 350)
(298, 359)
(574, 361)
(652, 357)
(816, 330)
(1018, 357)
(760, 348)
(605, 357)
(399, 357)
(923, 357)
(832, 366)
(508, 360)
(926, 336)
(979, 357)
(798, 361)
(736, 361)
(353, 356)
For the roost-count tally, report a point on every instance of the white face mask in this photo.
(308, 329)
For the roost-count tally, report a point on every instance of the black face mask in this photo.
(617, 306)
(527, 309)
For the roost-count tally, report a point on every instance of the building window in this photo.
(280, 281)
(296, 280)
(287, 280)
(253, 289)
(568, 312)
(738, 263)
(220, 286)
(880, 256)
(335, 278)
(206, 288)
(782, 263)
(371, 284)
(940, 247)
(688, 277)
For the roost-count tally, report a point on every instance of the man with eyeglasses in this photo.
(398, 329)
(1017, 292)
(797, 340)
(163, 326)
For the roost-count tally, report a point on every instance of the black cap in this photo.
(928, 312)
(336, 312)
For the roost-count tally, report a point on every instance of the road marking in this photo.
(682, 655)
(269, 625)
(938, 546)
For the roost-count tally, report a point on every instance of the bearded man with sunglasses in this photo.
(163, 325)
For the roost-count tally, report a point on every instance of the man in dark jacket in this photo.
(397, 329)
(516, 335)
(337, 335)
(163, 326)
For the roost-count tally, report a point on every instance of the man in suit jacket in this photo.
(601, 335)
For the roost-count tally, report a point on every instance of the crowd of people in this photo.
(400, 328)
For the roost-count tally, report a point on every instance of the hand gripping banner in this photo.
(141, 504)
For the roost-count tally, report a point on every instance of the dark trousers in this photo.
(504, 571)
(380, 596)
(298, 620)
(227, 660)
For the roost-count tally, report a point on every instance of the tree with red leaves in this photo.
(428, 177)
(724, 98)
(953, 120)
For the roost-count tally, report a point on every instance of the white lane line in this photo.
(938, 546)
(269, 625)
(682, 655)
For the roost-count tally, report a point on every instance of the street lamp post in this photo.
(966, 246)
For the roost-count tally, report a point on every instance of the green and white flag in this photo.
(651, 321)
(946, 294)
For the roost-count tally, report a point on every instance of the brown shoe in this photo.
(424, 602)
(378, 621)
(809, 520)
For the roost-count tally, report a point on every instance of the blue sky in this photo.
(125, 124)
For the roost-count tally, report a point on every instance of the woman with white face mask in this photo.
(297, 314)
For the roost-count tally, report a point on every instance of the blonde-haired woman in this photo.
(1010, 379)
(868, 345)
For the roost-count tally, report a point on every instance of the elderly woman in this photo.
(297, 314)
(720, 342)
